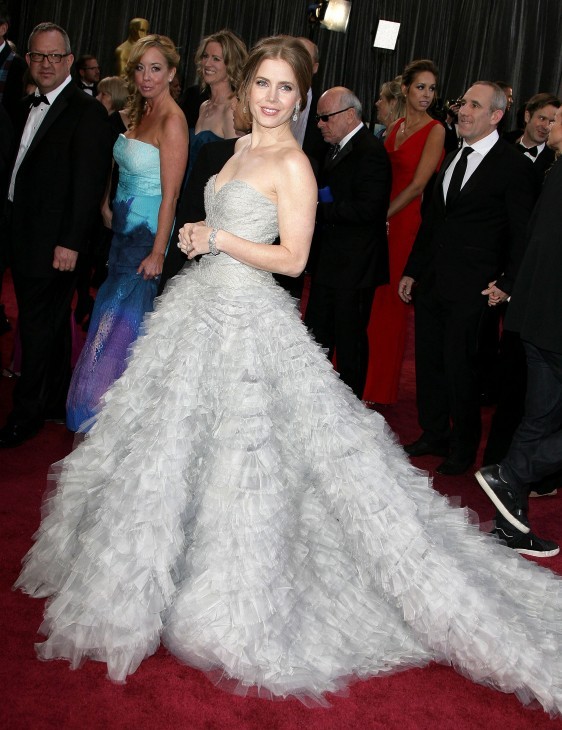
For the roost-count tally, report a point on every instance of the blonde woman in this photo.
(152, 156)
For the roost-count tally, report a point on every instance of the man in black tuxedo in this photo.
(56, 186)
(534, 312)
(12, 68)
(539, 115)
(503, 359)
(466, 253)
(88, 74)
(351, 256)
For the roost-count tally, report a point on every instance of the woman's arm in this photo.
(106, 212)
(295, 186)
(432, 152)
(173, 146)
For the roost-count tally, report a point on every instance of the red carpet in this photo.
(165, 694)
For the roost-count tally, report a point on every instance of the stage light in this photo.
(332, 14)
(336, 16)
(386, 35)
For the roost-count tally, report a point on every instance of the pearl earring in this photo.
(296, 113)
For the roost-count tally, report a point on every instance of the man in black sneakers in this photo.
(534, 312)
(528, 544)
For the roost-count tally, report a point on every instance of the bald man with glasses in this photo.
(55, 190)
(350, 250)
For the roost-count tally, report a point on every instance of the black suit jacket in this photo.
(481, 237)
(191, 206)
(60, 182)
(536, 304)
(351, 247)
(313, 144)
(13, 89)
(543, 162)
(90, 90)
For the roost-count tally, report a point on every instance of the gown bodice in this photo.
(139, 167)
(240, 209)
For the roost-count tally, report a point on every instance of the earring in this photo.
(244, 109)
(296, 113)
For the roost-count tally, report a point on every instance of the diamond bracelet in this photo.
(213, 242)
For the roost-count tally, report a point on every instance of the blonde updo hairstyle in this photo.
(392, 92)
(135, 101)
(288, 49)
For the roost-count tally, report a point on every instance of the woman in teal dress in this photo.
(152, 157)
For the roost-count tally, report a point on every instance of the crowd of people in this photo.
(231, 495)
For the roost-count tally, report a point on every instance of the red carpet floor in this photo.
(163, 693)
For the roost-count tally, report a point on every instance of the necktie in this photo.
(533, 151)
(335, 149)
(39, 99)
(458, 176)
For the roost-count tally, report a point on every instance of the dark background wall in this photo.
(519, 41)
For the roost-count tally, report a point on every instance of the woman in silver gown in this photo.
(236, 501)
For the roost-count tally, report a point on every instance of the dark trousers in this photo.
(44, 328)
(536, 448)
(446, 370)
(338, 319)
(512, 385)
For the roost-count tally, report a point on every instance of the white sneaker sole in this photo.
(500, 505)
(538, 553)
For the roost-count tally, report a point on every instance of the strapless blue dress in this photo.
(125, 296)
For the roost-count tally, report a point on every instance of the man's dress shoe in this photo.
(14, 434)
(423, 447)
(455, 465)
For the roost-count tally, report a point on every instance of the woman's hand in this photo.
(405, 289)
(151, 266)
(194, 239)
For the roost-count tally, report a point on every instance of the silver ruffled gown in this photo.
(235, 501)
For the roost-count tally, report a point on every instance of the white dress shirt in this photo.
(347, 137)
(540, 148)
(34, 119)
(479, 150)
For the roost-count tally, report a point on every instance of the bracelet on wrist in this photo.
(213, 242)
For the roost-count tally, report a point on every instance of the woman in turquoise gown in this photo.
(152, 156)
(236, 501)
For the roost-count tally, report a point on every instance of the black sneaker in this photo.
(527, 544)
(504, 496)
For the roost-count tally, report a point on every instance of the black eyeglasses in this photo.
(51, 57)
(91, 68)
(325, 117)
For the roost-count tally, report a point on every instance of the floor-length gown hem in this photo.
(235, 501)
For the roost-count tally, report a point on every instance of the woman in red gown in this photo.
(415, 147)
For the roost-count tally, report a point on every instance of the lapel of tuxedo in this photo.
(441, 174)
(482, 172)
(347, 150)
(56, 109)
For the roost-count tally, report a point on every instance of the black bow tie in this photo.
(39, 99)
(533, 151)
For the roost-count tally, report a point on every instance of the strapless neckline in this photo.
(216, 191)
(133, 139)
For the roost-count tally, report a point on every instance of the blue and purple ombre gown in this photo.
(125, 296)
